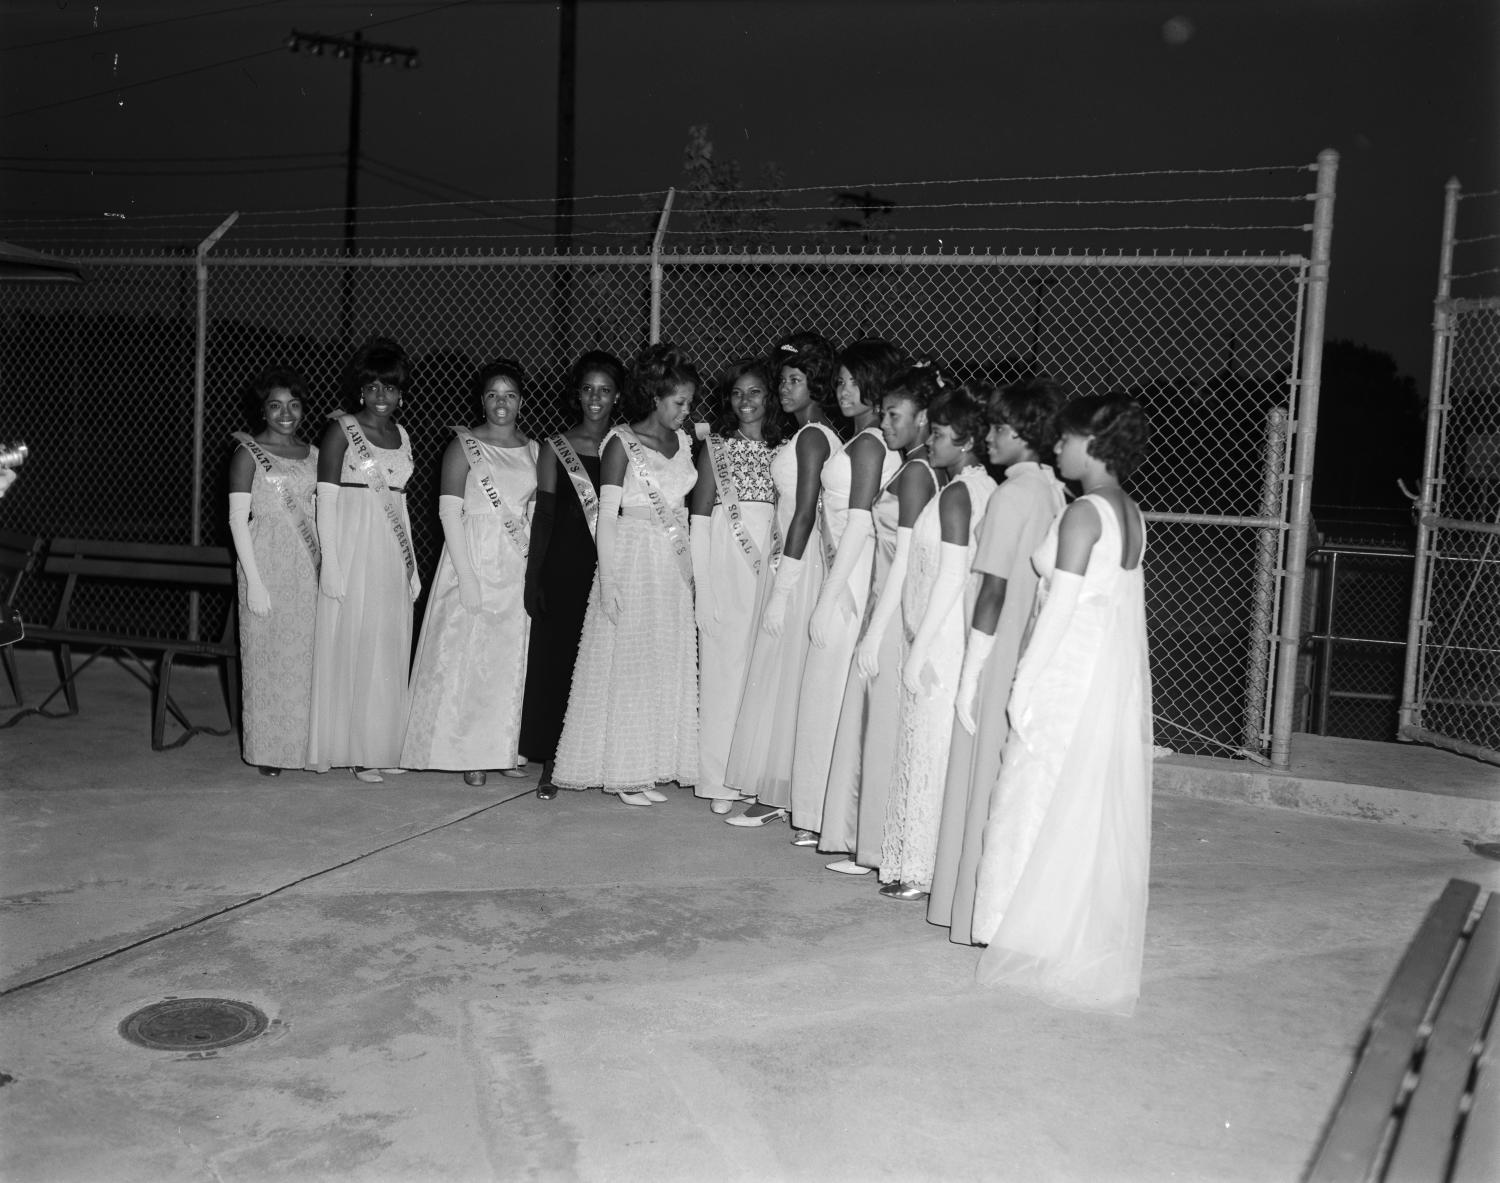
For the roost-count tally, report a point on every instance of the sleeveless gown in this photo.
(276, 651)
(826, 674)
(724, 654)
(362, 647)
(1020, 512)
(760, 755)
(567, 575)
(915, 803)
(632, 718)
(470, 668)
(1061, 898)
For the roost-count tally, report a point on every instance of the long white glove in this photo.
(451, 514)
(609, 525)
(858, 530)
(330, 574)
(976, 653)
(257, 598)
(867, 656)
(1051, 626)
(705, 610)
(947, 591)
(788, 575)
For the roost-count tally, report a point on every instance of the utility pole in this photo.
(358, 53)
(562, 235)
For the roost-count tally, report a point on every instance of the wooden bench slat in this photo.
(152, 552)
(1478, 1158)
(136, 572)
(1355, 1135)
(1426, 1139)
(85, 639)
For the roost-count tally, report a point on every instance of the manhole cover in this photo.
(182, 1024)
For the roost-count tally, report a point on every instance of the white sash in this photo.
(375, 479)
(664, 516)
(718, 455)
(276, 476)
(479, 465)
(584, 487)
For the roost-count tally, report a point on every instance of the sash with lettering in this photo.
(729, 495)
(277, 476)
(664, 516)
(375, 479)
(479, 465)
(584, 487)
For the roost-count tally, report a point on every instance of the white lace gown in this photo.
(470, 670)
(826, 674)
(724, 653)
(760, 755)
(1061, 896)
(632, 718)
(914, 806)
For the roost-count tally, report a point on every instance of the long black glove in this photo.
(536, 553)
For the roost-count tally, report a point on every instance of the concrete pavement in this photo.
(473, 984)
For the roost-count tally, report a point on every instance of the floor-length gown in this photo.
(1061, 898)
(632, 718)
(914, 805)
(276, 650)
(760, 755)
(470, 669)
(362, 643)
(567, 574)
(826, 676)
(724, 653)
(1020, 512)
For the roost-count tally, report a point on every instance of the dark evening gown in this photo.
(567, 575)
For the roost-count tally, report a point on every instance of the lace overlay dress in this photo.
(632, 718)
(1023, 508)
(362, 647)
(1061, 898)
(760, 755)
(724, 653)
(864, 752)
(470, 669)
(826, 675)
(915, 803)
(276, 650)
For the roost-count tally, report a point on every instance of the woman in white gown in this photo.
(851, 479)
(936, 600)
(1061, 896)
(632, 719)
(733, 506)
(470, 670)
(1019, 515)
(765, 732)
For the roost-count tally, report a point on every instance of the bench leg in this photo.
(232, 690)
(66, 673)
(8, 660)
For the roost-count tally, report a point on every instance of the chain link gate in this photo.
(1216, 346)
(1451, 692)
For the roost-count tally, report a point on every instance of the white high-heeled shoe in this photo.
(634, 798)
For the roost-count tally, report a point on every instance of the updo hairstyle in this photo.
(813, 354)
(1030, 409)
(501, 367)
(962, 408)
(595, 361)
(872, 363)
(1117, 425)
(378, 360)
(657, 371)
(920, 383)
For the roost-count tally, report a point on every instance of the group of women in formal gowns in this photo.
(799, 644)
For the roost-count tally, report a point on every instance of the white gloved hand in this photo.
(610, 497)
(456, 546)
(976, 653)
(705, 610)
(788, 575)
(257, 598)
(330, 574)
(867, 656)
(947, 594)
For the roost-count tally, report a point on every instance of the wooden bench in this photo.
(89, 562)
(19, 555)
(1423, 1098)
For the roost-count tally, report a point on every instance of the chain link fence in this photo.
(100, 382)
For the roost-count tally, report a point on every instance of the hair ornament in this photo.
(787, 348)
(941, 385)
(922, 363)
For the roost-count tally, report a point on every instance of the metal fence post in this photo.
(1267, 554)
(656, 269)
(200, 381)
(1427, 505)
(1300, 516)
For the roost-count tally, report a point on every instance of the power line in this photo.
(164, 159)
(166, 20)
(248, 171)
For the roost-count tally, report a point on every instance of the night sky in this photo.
(838, 95)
